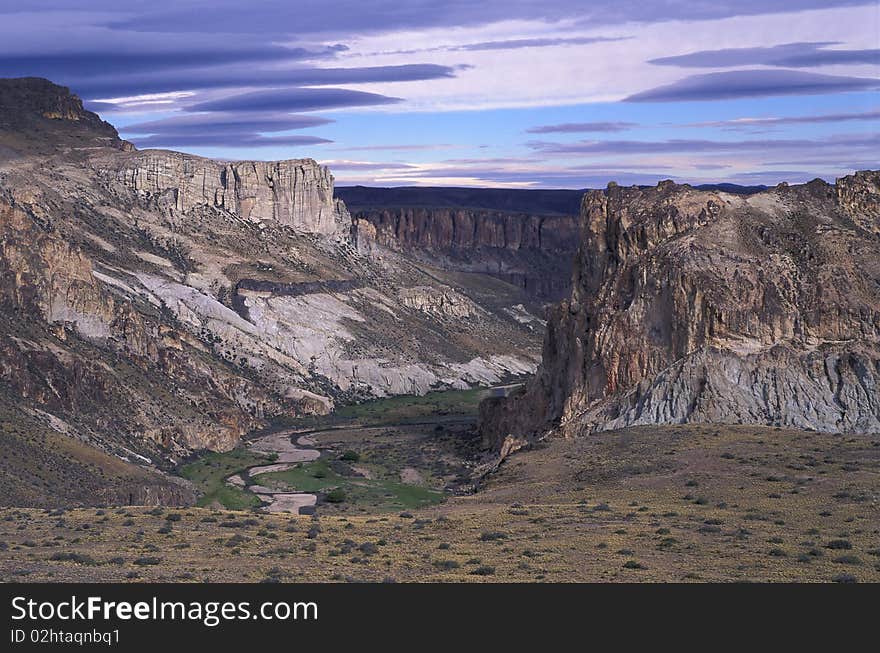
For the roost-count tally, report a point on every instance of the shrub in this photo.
(368, 548)
(492, 536)
(840, 545)
(336, 496)
(633, 564)
(848, 560)
(78, 558)
(483, 570)
(234, 541)
(446, 565)
(148, 560)
(845, 578)
(350, 456)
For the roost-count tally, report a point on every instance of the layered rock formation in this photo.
(532, 252)
(692, 306)
(296, 192)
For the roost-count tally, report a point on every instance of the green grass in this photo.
(210, 472)
(381, 495)
(305, 478)
(409, 407)
(391, 411)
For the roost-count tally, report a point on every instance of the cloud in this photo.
(224, 139)
(160, 54)
(336, 165)
(746, 124)
(249, 76)
(400, 147)
(516, 44)
(579, 127)
(224, 121)
(360, 16)
(224, 129)
(752, 83)
(849, 142)
(296, 99)
(788, 55)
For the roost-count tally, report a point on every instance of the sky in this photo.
(496, 93)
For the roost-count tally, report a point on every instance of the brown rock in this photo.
(692, 306)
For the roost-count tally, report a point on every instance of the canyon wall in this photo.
(693, 306)
(532, 252)
(297, 192)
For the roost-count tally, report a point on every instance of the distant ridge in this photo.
(40, 118)
(535, 202)
(519, 200)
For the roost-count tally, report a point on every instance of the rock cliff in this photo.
(532, 252)
(693, 306)
(297, 192)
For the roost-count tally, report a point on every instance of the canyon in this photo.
(156, 304)
(475, 230)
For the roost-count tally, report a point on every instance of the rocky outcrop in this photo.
(442, 302)
(857, 195)
(529, 251)
(297, 192)
(691, 306)
(39, 117)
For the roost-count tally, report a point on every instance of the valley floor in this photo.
(678, 503)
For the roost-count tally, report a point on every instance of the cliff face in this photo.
(297, 193)
(61, 366)
(529, 251)
(692, 306)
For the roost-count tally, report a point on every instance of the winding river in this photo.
(291, 447)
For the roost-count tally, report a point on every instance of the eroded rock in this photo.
(691, 306)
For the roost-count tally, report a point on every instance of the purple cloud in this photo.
(582, 127)
(744, 124)
(516, 44)
(219, 122)
(400, 147)
(752, 83)
(847, 143)
(361, 16)
(295, 99)
(160, 55)
(366, 165)
(121, 85)
(224, 139)
(789, 55)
